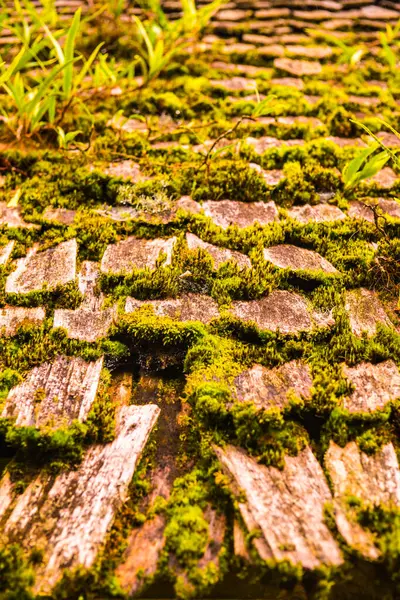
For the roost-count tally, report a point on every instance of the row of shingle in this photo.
(77, 507)
(287, 507)
(56, 267)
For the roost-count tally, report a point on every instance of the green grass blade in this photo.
(44, 86)
(374, 165)
(57, 47)
(5, 76)
(144, 36)
(79, 78)
(378, 141)
(69, 52)
(351, 171)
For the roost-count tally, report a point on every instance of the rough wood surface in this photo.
(298, 67)
(157, 214)
(375, 386)
(77, 507)
(239, 542)
(48, 269)
(142, 555)
(286, 256)
(365, 311)
(242, 214)
(260, 145)
(320, 213)
(5, 252)
(126, 169)
(88, 322)
(287, 507)
(269, 388)
(287, 311)
(219, 255)
(384, 179)
(373, 479)
(11, 217)
(85, 324)
(364, 209)
(191, 307)
(12, 317)
(135, 253)
(216, 534)
(55, 394)
(6, 494)
(64, 216)
(88, 284)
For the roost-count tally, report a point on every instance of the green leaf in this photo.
(377, 140)
(350, 171)
(44, 86)
(374, 165)
(79, 78)
(69, 52)
(5, 76)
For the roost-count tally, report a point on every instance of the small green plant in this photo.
(366, 164)
(66, 57)
(32, 107)
(65, 139)
(378, 141)
(107, 72)
(35, 103)
(369, 162)
(349, 55)
(387, 39)
(160, 39)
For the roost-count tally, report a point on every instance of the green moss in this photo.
(16, 574)
(62, 296)
(223, 181)
(187, 534)
(340, 124)
(211, 356)
(302, 184)
(61, 448)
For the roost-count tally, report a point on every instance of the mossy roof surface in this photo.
(198, 248)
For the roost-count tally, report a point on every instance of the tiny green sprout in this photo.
(378, 141)
(160, 40)
(366, 164)
(266, 106)
(350, 55)
(387, 40)
(65, 139)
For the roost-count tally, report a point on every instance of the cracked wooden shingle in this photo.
(286, 507)
(320, 213)
(281, 310)
(269, 388)
(365, 311)
(44, 270)
(11, 217)
(243, 214)
(375, 386)
(286, 256)
(12, 317)
(77, 507)
(89, 321)
(5, 252)
(190, 307)
(218, 254)
(136, 253)
(373, 479)
(54, 394)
